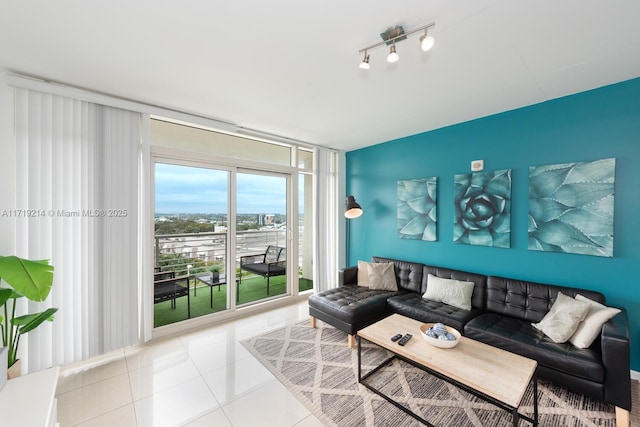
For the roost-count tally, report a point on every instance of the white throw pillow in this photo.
(563, 319)
(449, 291)
(382, 277)
(589, 329)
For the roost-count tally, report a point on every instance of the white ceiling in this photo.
(290, 67)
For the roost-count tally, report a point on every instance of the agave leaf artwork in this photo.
(26, 279)
(571, 207)
(482, 204)
(417, 209)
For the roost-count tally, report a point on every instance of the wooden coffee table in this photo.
(495, 375)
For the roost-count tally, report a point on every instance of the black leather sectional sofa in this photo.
(501, 315)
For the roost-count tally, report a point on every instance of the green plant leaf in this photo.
(5, 294)
(33, 279)
(29, 322)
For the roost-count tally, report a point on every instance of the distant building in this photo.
(265, 219)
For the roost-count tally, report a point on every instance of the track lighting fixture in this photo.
(396, 34)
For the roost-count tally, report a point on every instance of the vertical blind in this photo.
(326, 226)
(77, 170)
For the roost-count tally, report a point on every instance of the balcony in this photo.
(191, 255)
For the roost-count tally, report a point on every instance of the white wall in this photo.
(7, 167)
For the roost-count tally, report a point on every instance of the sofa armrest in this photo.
(348, 276)
(616, 359)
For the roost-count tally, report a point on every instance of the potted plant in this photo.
(215, 273)
(26, 279)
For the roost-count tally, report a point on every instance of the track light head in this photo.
(426, 42)
(365, 62)
(393, 55)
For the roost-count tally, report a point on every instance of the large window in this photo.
(225, 222)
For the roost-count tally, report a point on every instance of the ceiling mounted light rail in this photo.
(395, 34)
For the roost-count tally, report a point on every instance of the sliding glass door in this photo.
(191, 242)
(206, 264)
(261, 235)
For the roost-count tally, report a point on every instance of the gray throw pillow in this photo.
(382, 277)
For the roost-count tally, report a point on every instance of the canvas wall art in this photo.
(417, 217)
(571, 207)
(483, 208)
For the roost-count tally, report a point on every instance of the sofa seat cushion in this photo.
(520, 337)
(414, 306)
(350, 303)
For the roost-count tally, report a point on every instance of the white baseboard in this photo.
(635, 375)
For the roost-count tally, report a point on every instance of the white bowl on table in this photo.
(438, 342)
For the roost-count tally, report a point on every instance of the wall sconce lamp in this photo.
(396, 34)
(351, 210)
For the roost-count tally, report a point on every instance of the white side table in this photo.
(30, 400)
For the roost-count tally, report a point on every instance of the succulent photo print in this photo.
(483, 208)
(571, 207)
(417, 209)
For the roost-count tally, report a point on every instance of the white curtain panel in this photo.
(325, 248)
(77, 170)
(146, 233)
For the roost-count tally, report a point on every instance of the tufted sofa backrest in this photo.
(479, 280)
(408, 274)
(528, 300)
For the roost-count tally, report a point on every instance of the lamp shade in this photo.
(351, 208)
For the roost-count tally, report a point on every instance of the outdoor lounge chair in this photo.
(166, 287)
(273, 262)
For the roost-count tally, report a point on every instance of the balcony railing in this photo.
(176, 252)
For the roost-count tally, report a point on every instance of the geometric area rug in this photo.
(321, 371)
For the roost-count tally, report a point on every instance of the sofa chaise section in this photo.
(350, 307)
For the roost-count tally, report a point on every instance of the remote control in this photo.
(396, 337)
(405, 339)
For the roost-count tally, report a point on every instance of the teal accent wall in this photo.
(597, 124)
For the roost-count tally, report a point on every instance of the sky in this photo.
(186, 189)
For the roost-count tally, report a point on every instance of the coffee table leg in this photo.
(516, 414)
(359, 358)
(535, 397)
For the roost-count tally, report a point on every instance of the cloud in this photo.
(187, 189)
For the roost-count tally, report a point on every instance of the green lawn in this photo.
(251, 289)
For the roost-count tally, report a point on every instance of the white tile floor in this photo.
(200, 378)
